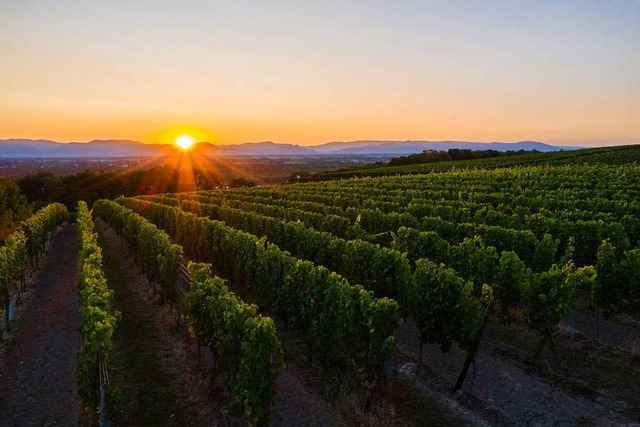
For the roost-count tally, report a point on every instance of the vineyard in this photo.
(498, 293)
(292, 214)
(592, 156)
(450, 253)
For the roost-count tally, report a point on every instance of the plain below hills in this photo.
(26, 148)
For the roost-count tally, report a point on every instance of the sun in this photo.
(185, 142)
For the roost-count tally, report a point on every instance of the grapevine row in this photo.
(98, 316)
(456, 244)
(487, 259)
(160, 258)
(384, 271)
(347, 329)
(245, 343)
(594, 188)
(596, 156)
(23, 247)
(456, 223)
(447, 304)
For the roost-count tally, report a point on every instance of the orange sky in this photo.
(559, 72)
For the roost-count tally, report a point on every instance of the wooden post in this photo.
(104, 390)
(541, 346)
(6, 315)
(475, 344)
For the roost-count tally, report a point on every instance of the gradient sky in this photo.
(308, 72)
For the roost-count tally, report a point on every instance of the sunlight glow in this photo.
(185, 142)
(169, 135)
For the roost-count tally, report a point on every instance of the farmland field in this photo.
(365, 301)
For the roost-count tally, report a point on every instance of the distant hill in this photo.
(412, 147)
(267, 148)
(25, 148)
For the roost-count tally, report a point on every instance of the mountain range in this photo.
(27, 148)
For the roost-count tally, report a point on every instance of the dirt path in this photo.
(296, 404)
(607, 332)
(502, 391)
(158, 373)
(37, 385)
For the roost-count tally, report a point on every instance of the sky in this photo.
(308, 72)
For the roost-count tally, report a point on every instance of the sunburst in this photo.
(185, 142)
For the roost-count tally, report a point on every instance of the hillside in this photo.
(361, 286)
(548, 242)
(603, 155)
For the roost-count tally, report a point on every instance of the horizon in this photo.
(373, 141)
(559, 72)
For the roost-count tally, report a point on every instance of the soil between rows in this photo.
(37, 369)
(160, 380)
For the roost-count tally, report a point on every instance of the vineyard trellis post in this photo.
(103, 377)
(473, 348)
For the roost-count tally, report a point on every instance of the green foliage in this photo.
(510, 279)
(569, 252)
(37, 227)
(347, 328)
(631, 266)
(631, 225)
(504, 230)
(521, 242)
(593, 156)
(13, 205)
(170, 261)
(474, 261)
(441, 305)
(431, 156)
(617, 286)
(384, 271)
(13, 263)
(90, 186)
(609, 287)
(425, 244)
(25, 244)
(548, 298)
(244, 343)
(98, 317)
(545, 253)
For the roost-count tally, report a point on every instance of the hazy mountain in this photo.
(411, 147)
(25, 148)
(266, 148)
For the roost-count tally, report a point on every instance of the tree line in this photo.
(48, 187)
